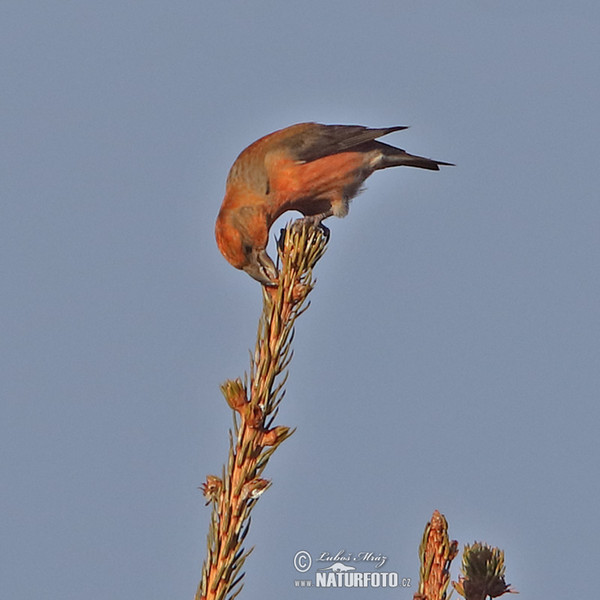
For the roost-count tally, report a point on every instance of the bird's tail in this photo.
(396, 157)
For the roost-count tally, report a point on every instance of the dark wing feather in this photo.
(324, 140)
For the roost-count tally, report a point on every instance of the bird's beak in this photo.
(262, 268)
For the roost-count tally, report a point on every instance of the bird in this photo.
(312, 168)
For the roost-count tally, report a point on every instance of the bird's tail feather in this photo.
(396, 157)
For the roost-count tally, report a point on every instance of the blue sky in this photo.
(449, 359)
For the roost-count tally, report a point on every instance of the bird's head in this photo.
(242, 235)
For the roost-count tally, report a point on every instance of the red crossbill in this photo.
(312, 168)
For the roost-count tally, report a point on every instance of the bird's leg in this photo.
(316, 221)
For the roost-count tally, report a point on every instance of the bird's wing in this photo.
(317, 140)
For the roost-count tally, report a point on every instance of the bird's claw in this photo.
(315, 221)
(325, 230)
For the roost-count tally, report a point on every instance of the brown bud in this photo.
(272, 437)
(254, 488)
(212, 488)
(453, 550)
(235, 394)
(252, 416)
(299, 292)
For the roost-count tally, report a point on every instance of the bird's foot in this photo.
(312, 221)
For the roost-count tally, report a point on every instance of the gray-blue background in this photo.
(450, 356)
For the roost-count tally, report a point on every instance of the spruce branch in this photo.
(482, 566)
(253, 438)
(482, 573)
(436, 553)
